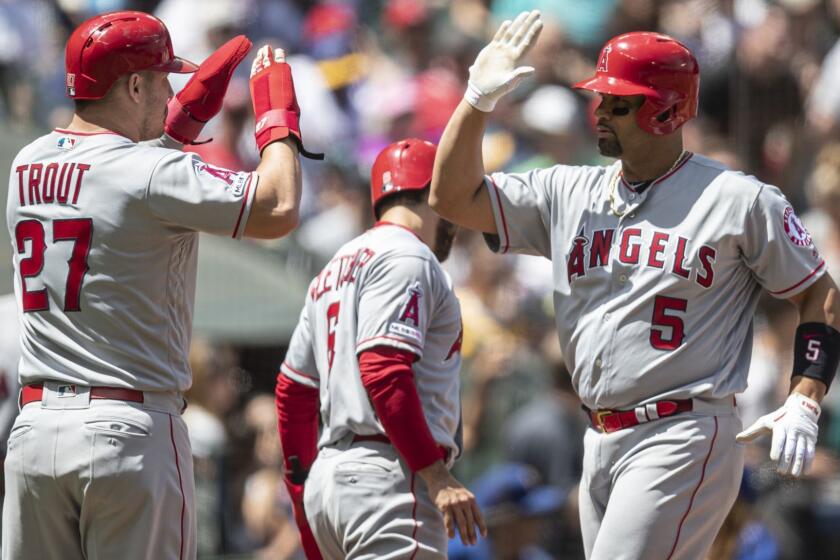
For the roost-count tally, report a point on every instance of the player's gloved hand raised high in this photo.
(794, 429)
(201, 99)
(276, 109)
(494, 72)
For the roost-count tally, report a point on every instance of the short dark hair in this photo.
(402, 198)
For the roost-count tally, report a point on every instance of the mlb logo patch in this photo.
(66, 391)
(66, 143)
(387, 185)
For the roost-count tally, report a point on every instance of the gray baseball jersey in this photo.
(383, 288)
(9, 359)
(657, 303)
(104, 236)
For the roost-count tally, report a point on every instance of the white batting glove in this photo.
(794, 429)
(494, 72)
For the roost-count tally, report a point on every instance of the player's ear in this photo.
(135, 86)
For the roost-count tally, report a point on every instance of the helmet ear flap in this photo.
(666, 114)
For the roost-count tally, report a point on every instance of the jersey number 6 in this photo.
(79, 231)
(332, 324)
(662, 321)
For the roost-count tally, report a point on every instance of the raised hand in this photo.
(201, 99)
(495, 72)
(276, 109)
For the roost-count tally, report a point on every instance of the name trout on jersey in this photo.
(40, 183)
(650, 248)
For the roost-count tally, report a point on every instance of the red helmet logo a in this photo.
(602, 62)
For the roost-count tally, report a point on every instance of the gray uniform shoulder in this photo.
(734, 186)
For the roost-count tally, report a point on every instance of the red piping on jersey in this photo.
(293, 370)
(819, 267)
(381, 223)
(244, 204)
(74, 133)
(502, 214)
(696, 488)
(671, 172)
(386, 337)
(181, 486)
(414, 518)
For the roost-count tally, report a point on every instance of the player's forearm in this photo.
(459, 167)
(277, 200)
(297, 421)
(389, 381)
(818, 305)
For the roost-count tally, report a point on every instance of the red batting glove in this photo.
(201, 99)
(276, 109)
(307, 539)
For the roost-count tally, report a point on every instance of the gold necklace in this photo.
(614, 185)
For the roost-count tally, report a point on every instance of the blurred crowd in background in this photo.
(369, 72)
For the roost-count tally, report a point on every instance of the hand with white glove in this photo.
(494, 72)
(794, 429)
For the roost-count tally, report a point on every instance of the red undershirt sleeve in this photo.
(297, 420)
(389, 380)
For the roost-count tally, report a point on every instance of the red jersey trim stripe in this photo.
(180, 486)
(813, 272)
(506, 246)
(76, 133)
(671, 172)
(297, 372)
(386, 337)
(246, 203)
(696, 488)
(381, 223)
(414, 518)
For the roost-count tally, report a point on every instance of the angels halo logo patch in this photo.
(795, 230)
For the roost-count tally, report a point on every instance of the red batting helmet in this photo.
(108, 46)
(403, 166)
(656, 66)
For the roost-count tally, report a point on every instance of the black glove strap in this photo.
(297, 474)
(816, 352)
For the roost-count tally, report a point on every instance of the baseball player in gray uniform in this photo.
(9, 359)
(377, 351)
(658, 263)
(104, 223)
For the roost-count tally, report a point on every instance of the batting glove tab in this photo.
(201, 99)
(494, 72)
(276, 109)
(794, 429)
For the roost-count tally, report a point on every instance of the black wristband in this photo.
(816, 352)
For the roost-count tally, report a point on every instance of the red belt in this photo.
(610, 421)
(33, 393)
(381, 438)
(373, 437)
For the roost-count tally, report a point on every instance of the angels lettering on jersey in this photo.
(644, 247)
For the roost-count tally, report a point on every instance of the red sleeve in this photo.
(297, 420)
(389, 381)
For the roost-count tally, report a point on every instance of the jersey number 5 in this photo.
(79, 231)
(662, 322)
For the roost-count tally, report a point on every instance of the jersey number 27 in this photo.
(79, 231)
